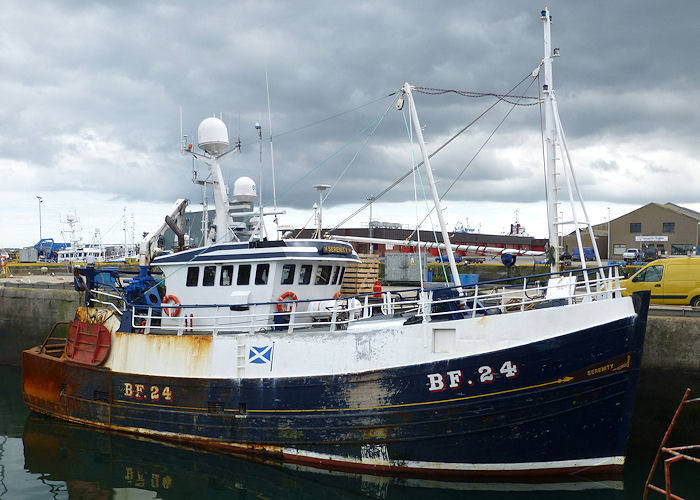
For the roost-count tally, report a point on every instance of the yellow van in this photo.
(671, 281)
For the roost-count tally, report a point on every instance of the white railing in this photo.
(109, 300)
(494, 297)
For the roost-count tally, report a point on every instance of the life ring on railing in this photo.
(167, 300)
(337, 295)
(3, 261)
(286, 295)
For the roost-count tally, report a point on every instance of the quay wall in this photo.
(27, 315)
(672, 342)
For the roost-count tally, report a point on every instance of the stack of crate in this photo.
(360, 278)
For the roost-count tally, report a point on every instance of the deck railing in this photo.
(414, 305)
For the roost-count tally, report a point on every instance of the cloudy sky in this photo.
(92, 93)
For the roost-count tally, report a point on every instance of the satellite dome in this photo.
(212, 136)
(244, 190)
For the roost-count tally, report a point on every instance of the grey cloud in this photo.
(628, 72)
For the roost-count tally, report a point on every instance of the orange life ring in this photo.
(337, 295)
(168, 312)
(286, 295)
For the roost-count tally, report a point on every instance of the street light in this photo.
(321, 188)
(40, 201)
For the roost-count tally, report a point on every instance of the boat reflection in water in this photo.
(102, 464)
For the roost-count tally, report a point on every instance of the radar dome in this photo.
(212, 136)
(244, 190)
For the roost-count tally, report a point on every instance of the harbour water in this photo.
(41, 458)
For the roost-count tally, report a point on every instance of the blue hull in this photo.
(540, 407)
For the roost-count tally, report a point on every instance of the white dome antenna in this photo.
(212, 136)
(244, 190)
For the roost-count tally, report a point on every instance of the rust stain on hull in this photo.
(166, 355)
(42, 377)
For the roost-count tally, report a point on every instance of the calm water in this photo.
(44, 458)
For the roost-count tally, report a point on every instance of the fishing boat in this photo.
(76, 251)
(246, 346)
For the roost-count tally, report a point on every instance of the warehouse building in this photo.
(655, 229)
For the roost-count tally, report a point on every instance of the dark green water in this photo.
(41, 458)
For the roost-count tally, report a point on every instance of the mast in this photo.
(261, 225)
(212, 138)
(431, 180)
(555, 141)
(550, 142)
(126, 243)
(222, 218)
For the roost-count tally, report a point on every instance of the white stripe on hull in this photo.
(583, 463)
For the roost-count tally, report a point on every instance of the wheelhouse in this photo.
(239, 275)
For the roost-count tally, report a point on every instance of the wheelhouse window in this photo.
(192, 276)
(226, 275)
(209, 276)
(669, 227)
(342, 273)
(243, 274)
(650, 274)
(288, 274)
(323, 275)
(305, 274)
(334, 277)
(635, 227)
(262, 272)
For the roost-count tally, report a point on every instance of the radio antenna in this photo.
(272, 151)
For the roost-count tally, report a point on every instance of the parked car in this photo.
(564, 256)
(671, 281)
(651, 253)
(631, 255)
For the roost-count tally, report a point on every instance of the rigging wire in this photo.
(328, 118)
(478, 151)
(416, 171)
(336, 152)
(305, 224)
(409, 129)
(440, 148)
(509, 98)
(362, 146)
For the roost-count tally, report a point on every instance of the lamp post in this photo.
(321, 188)
(40, 201)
